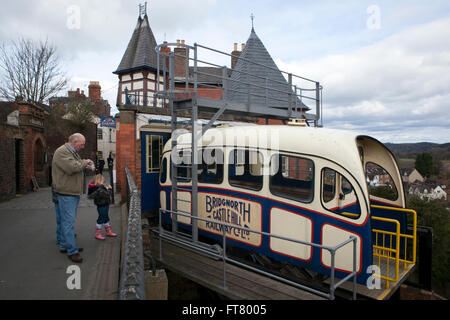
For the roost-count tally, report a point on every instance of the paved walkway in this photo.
(31, 266)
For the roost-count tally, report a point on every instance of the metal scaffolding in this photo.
(283, 99)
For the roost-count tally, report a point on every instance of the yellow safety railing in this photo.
(388, 251)
(391, 250)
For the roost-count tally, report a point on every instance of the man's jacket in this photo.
(67, 171)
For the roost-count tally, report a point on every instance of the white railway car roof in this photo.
(336, 145)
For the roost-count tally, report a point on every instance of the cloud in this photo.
(384, 81)
(401, 81)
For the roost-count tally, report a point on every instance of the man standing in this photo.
(68, 183)
(101, 165)
(110, 161)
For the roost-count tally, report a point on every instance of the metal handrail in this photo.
(291, 100)
(382, 249)
(132, 278)
(413, 236)
(225, 259)
(250, 74)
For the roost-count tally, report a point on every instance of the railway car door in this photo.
(151, 152)
(340, 197)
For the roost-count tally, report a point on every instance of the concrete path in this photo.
(31, 266)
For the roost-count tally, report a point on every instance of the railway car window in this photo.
(211, 168)
(329, 184)
(293, 179)
(338, 195)
(163, 176)
(245, 169)
(380, 182)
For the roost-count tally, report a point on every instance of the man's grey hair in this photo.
(76, 137)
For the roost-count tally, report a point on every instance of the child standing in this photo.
(102, 198)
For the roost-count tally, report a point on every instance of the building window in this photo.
(99, 133)
(293, 179)
(245, 169)
(154, 147)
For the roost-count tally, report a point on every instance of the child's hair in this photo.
(98, 179)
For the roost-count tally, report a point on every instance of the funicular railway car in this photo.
(311, 184)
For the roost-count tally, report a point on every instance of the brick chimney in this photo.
(236, 54)
(94, 91)
(165, 49)
(180, 62)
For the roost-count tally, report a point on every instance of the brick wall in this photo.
(7, 169)
(212, 93)
(94, 91)
(125, 149)
(8, 155)
(138, 176)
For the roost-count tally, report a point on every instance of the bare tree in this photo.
(80, 113)
(31, 70)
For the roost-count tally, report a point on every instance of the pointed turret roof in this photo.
(140, 53)
(254, 68)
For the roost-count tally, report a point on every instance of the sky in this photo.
(384, 65)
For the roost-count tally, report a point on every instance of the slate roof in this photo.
(263, 67)
(140, 53)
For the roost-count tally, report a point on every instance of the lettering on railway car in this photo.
(233, 211)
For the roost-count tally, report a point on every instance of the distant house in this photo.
(428, 191)
(377, 176)
(411, 175)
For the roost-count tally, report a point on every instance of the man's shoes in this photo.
(76, 258)
(65, 250)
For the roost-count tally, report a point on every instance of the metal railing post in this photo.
(194, 153)
(224, 249)
(316, 121)
(290, 94)
(224, 83)
(160, 231)
(354, 266)
(332, 252)
(173, 168)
